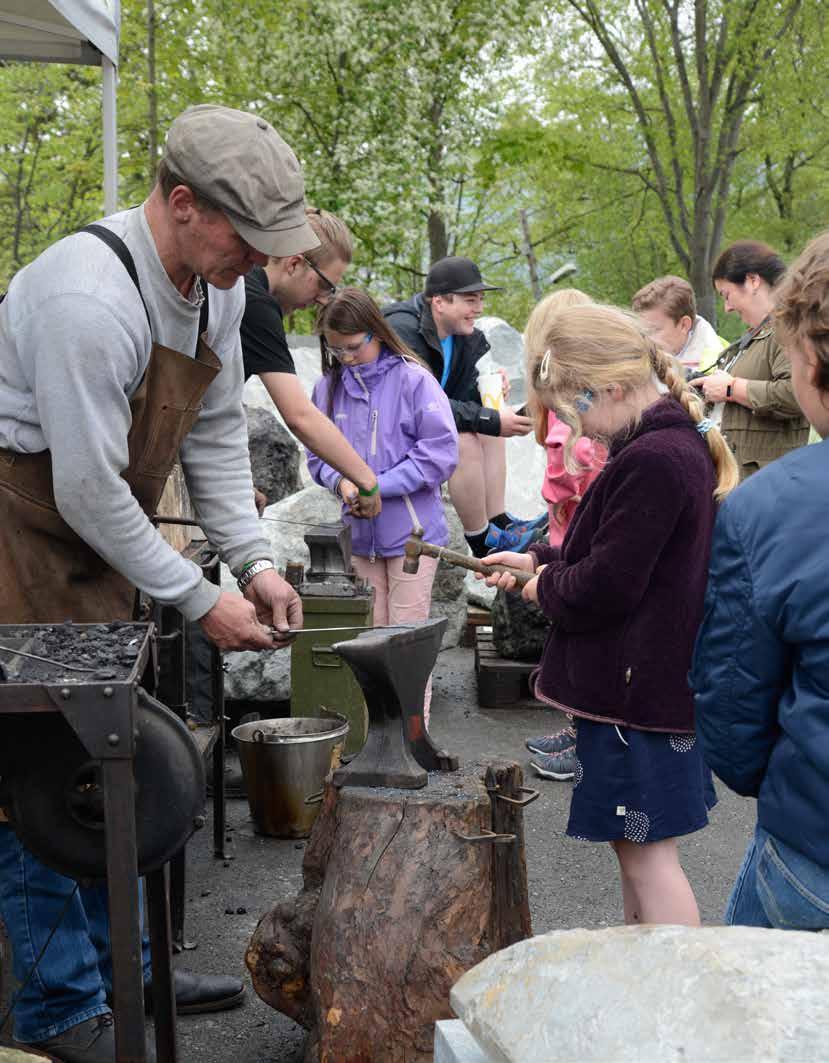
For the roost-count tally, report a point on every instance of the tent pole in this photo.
(110, 137)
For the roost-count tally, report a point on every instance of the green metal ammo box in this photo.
(332, 596)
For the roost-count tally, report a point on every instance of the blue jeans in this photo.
(73, 978)
(778, 888)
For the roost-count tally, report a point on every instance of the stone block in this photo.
(274, 454)
(652, 994)
(455, 1044)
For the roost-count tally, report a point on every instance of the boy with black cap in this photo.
(439, 325)
(120, 351)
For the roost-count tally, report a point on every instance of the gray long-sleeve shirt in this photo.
(74, 345)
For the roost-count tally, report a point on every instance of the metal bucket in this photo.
(284, 763)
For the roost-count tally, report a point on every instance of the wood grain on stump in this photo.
(395, 907)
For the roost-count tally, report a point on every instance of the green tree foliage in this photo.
(629, 138)
(50, 156)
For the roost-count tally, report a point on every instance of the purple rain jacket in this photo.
(396, 416)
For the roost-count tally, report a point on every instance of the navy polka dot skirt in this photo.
(644, 786)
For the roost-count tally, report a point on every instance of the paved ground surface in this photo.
(571, 883)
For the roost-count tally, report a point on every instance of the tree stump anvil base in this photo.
(403, 892)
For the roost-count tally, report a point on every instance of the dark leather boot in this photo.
(92, 1041)
(201, 992)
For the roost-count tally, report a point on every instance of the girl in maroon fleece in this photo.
(624, 596)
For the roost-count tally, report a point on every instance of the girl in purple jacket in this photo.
(624, 595)
(394, 413)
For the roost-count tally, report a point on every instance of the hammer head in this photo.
(412, 553)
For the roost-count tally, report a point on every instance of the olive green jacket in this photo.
(775, 424)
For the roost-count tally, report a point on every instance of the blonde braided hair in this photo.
(597, 347)
(728, 475)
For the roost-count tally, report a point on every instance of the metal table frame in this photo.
(172, 692)
(102, 714)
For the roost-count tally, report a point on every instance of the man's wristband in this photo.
(368, 494)
(251, 569)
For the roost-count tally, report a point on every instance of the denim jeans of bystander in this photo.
(75, 974)
(778, 887)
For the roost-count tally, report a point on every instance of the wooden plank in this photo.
(510, 919)
(501, 682)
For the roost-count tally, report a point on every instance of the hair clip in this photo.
(704, 426)
(584, 400)
(543, 369)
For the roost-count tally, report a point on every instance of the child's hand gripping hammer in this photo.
(415, 547)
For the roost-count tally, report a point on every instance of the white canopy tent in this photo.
(70, 31)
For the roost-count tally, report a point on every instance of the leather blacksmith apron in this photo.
(48, 574)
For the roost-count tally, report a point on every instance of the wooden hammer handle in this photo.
(472, 563)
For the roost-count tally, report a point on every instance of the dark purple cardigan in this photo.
(625, 593)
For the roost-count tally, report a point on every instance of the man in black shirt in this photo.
(283, 286)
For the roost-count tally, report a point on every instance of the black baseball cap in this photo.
(456, 275)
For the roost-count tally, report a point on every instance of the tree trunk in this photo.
(700, 280)
(438, 237)
(396, 906)
(529, 254)
(152, 95)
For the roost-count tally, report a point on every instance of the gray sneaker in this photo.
(554, 743)
(560, 766)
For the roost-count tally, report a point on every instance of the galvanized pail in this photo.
(284, 763)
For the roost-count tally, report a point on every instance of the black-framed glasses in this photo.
(329, 284)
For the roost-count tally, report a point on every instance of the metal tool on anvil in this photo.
(416, 546)
(326, 630)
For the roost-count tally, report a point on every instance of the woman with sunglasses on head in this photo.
(394, 413)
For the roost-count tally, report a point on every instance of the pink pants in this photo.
(400, 598)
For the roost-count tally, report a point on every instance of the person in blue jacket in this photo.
(761, 666)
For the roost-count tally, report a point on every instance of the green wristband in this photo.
(368, 494)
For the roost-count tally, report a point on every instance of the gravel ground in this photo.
(571, 883)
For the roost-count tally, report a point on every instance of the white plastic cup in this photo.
(491, 388)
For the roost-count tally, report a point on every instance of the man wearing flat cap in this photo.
(439, 325)
(119, 352)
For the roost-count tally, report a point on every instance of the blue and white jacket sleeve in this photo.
(739, 667)
(321, 473)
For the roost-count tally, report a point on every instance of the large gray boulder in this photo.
(255, 395)
(448, 591)
(266, 676)
(526, 460)
(252, 676)
(519, 628)
(506, 351)
(286, 523)
(274, 455)
(477, 592)
(651, 994)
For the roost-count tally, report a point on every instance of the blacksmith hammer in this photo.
(415, 546)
